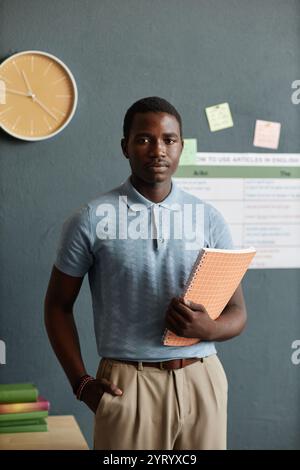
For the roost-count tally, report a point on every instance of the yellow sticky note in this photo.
(219, 117)
(267, 134)
(188, 155)
(2, 92)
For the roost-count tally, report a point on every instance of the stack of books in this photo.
(22, 409)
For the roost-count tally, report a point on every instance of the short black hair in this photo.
(151, 104)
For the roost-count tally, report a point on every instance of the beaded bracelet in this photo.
(85, 379)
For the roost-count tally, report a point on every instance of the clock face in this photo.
(38, 95)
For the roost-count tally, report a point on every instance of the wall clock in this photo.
(39, 95)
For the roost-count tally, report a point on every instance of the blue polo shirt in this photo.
(138, 255)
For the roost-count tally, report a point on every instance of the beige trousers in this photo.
(179, 409)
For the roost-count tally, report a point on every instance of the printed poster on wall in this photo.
(259, 196)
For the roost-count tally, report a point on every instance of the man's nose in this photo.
(158, 149)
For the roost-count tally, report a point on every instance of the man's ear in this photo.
(182, 145)
(124, 147)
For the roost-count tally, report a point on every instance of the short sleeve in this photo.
(74, 255)
(220, 235)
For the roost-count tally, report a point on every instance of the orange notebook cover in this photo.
(213, 280)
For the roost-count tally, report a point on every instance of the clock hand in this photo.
(17, 92)
(31, 95)
(29, 90)
(36, 100)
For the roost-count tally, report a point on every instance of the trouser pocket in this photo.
(104, 372)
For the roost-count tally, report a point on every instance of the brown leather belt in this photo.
(164, 365)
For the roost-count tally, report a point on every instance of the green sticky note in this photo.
(188, 155)
(219, 117)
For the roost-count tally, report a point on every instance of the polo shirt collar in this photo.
(135, 197)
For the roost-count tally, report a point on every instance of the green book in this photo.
(4, 418)
(38, 426)
(21, 422)
(18, 393)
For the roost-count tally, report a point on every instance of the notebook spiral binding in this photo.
(189, 284)
(197, 267)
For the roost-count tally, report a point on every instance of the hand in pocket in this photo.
(94, 390)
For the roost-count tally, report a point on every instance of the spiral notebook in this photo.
(213, 280)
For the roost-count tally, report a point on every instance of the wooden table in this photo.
(63, 434)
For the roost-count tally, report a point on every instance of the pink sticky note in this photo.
(267, 134)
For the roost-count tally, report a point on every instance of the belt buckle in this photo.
(161, 365)
(181, 362)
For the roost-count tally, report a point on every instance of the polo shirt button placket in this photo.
(155, 224)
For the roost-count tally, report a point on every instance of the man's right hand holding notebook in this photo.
(190, 320)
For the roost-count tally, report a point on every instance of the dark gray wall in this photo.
(195, 53)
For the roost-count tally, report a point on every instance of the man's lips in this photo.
(157, 168)
(157, 165)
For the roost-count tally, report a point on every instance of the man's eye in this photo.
(170, 141)
(143, 140)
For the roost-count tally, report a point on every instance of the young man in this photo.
(145, 395)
